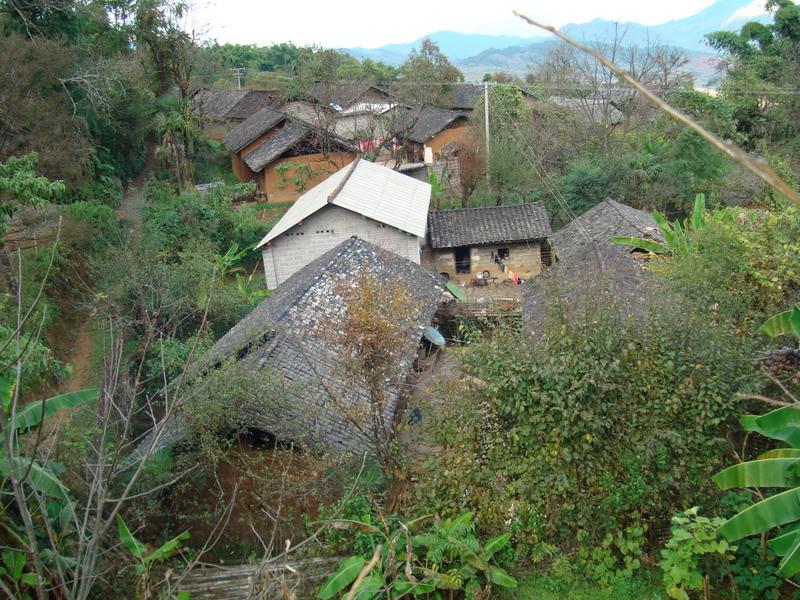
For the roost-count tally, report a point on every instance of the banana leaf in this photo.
(32, 415)
(790, 564)
(348, 570)
(781, 544)
(39, 477)
(781, 424)
(780, 453)
(785, 323)
(128, 540)
(699, 211)
(764, 515)
(772, 472)
(641, 244)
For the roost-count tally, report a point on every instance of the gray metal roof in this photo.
(285, 334)
(251, 128)
(489, 225)
(600, 223)
(366, 188)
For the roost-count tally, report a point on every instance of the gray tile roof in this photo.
(419, 124)
(276, 146)
(490, 225)
(254, 101)
(215, 104)
(466, 96)
(603, 274)
(282, 335)
(251, 128)
(602, 222)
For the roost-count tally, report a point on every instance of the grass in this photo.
(549, 586)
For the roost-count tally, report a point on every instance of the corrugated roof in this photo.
(489, 225)
(369, 189)
(252, 127)
(600, 223)
(274, 147)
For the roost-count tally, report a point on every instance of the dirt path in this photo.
(130, 210)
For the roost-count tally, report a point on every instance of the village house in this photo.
(495, 243)
(282, 156)
(592, 273)
(290, 342)
(221, 108)
(423, 127)
(465, 96)
(365, 199)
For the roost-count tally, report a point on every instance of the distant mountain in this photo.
(686, 33)
(476, 54)
(456, 46)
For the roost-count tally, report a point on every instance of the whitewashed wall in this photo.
(322, 231)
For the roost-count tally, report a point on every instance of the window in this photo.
(502, 253)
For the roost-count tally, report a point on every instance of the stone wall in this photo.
(523, 259)
(322, 231)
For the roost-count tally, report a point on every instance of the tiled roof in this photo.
(285, 334)
(603, 274)
(369, 189)
(215, 104)
(277, 145)
(494, 224)
(252, 127)
(600, 223)
(254, 101)
(419, 124)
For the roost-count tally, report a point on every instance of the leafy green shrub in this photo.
(603, 424)
(687, 560)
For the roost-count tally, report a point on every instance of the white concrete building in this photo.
(364, 199)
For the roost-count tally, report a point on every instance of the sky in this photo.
(372, 24)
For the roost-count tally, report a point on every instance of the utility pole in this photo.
(486, 133)
(239, 71)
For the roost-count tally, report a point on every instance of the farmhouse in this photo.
(465, 96)
(220, 108)
(284, 157)
(365, 199)
(428, 126)
(593, 273)
(498, 242)
(291, 344)
(600, 223)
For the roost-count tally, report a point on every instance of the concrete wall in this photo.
(322, 231)
(524, 260)
(281, 189)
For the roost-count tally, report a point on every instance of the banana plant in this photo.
(785, 323)
(447, 556)
(146, 559)
(38, 476)
(676, 239)
(779, 468)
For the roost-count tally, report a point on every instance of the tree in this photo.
(425, 73)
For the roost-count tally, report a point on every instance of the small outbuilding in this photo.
(499, 242)
(365, 199)
(282, 156)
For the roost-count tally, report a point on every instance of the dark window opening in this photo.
(463, 259)
(502, 253)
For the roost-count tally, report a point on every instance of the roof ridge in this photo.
(332, 196)
(446, 210)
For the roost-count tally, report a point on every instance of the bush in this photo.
(602, 426)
